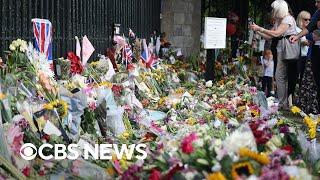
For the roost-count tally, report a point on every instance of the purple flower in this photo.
(131, 173)
(284, 129)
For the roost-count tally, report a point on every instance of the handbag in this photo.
(291, 51)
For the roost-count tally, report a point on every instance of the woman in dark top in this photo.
(315, 49)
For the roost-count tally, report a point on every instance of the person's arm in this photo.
(309, 37)
(272, 33)
(265, 36)
(310, 28)
(266, 62)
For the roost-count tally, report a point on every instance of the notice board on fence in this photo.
(215, 33)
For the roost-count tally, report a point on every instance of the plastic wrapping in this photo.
(311, 149)
(76, 105)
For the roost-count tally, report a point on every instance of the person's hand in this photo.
(255, 27)
(305, 43)
(293, 38)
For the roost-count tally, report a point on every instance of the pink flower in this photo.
(253, 90)
(186, 144)
(156, 127)
(15, 138)
(75, 169)
(92, 106)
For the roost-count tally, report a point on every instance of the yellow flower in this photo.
(312, 125)
(245, 165)
(110, 171)
(216, 176)
(312, 133)
(2, 96)
(162, 101)
(106, 84)
(179, 91)
(280, 122)
(261, 158)
(125, 135)
(255, 113)
(295, 110)
(60, 105)
(191, 121)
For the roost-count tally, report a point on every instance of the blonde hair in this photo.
(280, 9)
(302, 15)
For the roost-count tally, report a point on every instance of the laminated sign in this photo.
(215, 33)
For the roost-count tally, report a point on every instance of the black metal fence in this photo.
(71, 18)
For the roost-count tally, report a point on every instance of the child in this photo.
(268, 65)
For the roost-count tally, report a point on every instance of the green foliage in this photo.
(194, 61)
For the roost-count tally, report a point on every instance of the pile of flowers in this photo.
(193, 129)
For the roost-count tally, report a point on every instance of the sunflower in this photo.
(261, 158)
(60, 105)
(243, 168)
(216, 176)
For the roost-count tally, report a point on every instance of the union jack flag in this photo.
(127, 53)
(145, 55)
(42, 30)
(152, 61)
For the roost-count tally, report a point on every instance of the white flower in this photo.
(12, 47)
(189, 175)
(79, 80)
(15, 43)
(209, 84)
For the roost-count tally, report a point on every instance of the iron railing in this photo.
(71, 18)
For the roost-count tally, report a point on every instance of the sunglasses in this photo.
(317, 2)
(306, 19)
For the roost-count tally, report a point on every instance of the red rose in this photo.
(46, 137)
(186, 144)
(288, 148)
(173, 171)
(155, 175)
(41, 173)
(257, 133)
(26, 171)
(187, 148)
(76, 66)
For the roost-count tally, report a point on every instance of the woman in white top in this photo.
(284, 27)
(303, 20)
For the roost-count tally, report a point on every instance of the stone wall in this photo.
(181, 20)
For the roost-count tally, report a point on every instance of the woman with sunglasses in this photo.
(315, 49)
(303, 20)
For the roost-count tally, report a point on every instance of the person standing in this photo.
(268, 72)
(285, 26)
(315, 48)
(303, 20)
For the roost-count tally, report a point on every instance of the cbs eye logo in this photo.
(28, 151)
